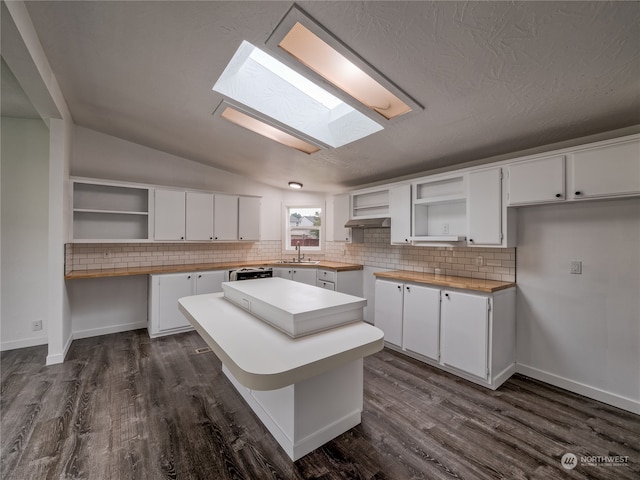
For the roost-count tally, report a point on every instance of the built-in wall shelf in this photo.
(108, 212)
(373, 204)
(439, 210)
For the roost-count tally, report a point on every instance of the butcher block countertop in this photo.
(466, 283)
(198, 267)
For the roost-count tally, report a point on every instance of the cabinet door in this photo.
(340, 217)
(304, 275)
(421, 320)
(388, 310)
(169, 217)
(225, 217)
(606, 171)
(400, 212)
(282, 272)
(536, 181)
(209, 282)
(484, 207)
(199, 216)
(172, 287)
(464, 342)
(249, 218)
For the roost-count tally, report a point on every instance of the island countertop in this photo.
(198, 267)
(264, 358)
(466, 283)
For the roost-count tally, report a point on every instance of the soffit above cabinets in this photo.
(493, 77)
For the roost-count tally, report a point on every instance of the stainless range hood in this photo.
(369, 223)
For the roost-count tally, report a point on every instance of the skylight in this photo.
(255, 79)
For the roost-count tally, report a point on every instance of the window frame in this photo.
(287, 249)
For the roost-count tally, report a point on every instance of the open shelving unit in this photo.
(440, 210)
(109, 212)
(370, 204)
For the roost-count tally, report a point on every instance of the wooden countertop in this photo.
(197, 267)
(263, 358)
(465, 283)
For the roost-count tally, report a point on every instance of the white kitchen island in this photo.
(305, 390)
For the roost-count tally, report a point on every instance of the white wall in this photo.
(97, 155)
(24, 245)
(581, 332)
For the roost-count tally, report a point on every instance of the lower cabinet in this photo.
(166, 289)
(466, 333)
(302, 275)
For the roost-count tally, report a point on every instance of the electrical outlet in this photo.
(479, 261)
(445, 229)
(576, 267)
(36, 325)
(106, 254)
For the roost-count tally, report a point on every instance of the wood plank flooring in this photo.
(127, 407)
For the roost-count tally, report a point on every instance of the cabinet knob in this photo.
(181, 238)
(578, 192)
(406, 240)
(210, 238)
(216, 238)
(471, 240)
(408, 289)
(446, 295)
(346, 238)
(558, 195)
(399, 287)
(199, 276)
(188, 277)
(241, 238)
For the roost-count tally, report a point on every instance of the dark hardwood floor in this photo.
(126, 407)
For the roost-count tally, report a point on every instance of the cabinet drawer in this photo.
(326, 285)
(327, 275)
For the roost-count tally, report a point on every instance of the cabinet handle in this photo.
(216, 238)
(399, 287)
(408, 289)
(199, 276)
(188, 277)
(471, 240)
(558, 195)
(406, 240)
(578, 192)
(241, 238)
(446, 295)
(181, 238)
(210, 238)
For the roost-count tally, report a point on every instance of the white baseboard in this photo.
(59, 357)
(629, 404)
(96, 332)
(23, 343)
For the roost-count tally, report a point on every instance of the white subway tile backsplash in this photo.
(376, 251)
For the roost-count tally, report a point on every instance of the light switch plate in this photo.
(576, 267)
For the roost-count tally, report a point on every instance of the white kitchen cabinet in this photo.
(249, 218)
(346, 281)
(370, 204)
(421, 320)
(400, 213)
(536, 181)
(166, 289)
(484, 207)
(388, 310)
(439, 209)
(326, 285)
(169, 216)
(465, 332)
(209, 282)
(341, 210)
(605, 171)
(302, 275)
(199, 216)
(225, 217)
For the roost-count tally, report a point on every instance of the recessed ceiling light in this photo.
(278, 93)
(266, 130)
(296, 185)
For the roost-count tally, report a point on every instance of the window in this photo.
(303, 227)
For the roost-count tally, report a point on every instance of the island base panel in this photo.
(306, 415)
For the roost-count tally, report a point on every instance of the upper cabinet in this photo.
(536, 181)
(106, 212)
(122, 212)
(341, 212)
(484, 205)
(199, 216)
(249, 218)
(400, 212)
(169, 215)
(604, 171)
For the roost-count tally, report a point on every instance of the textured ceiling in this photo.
(494, 78)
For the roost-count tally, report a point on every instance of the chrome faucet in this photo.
(299, 251)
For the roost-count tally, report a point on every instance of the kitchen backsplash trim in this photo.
(376, 251)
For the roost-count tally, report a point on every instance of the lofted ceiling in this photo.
(493, 77)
